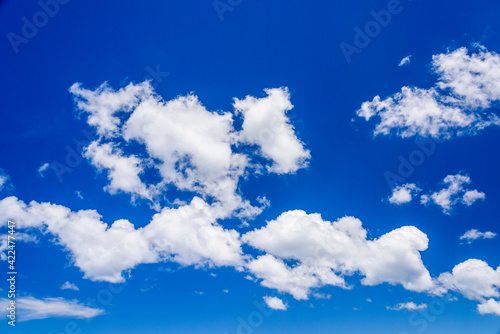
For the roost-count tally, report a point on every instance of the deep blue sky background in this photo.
(261, 44)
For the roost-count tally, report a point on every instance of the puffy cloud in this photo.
(123, 172)
(265, 124)
(188, 235)
(474, 279)
(321, 248)
(188, 146)
(69, 286)
(297, 281)
(405, 61)
(448, 197)
(489, 306)
(275, 303)
(474, 234)
(471, 196)
(30, 308)
(403, 194)
(467, 85)
(410, 306)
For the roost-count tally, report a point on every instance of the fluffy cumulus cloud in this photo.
(267, 126)
(453, 193)
(409, 306)
(475, 280)
(323, 252)
(188, 235)
(183, 144)
(472, 235)
(404, 194)
(30, 308)
(459, 103)
(275, 303)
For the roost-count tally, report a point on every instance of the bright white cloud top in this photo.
(458, 104)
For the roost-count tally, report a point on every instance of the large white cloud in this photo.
(458, 104)
(323, 248)
(189, 147)
(188, 235)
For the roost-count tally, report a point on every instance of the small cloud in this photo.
(5, 183)
(43, 168)
(213, 275)
(275, 303)
(404, 194)
(78, 194)
(199, 292)
(30, 308)
(369, 300)
(225, 291)
(405, 61)
(69, 286)
(474, 234)
(471, 196)
(355, 309)
(410, 306)
(321, 296)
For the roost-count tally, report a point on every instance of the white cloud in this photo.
(275, 303)
(405, 61)
(489, 306)
(403, 194)
(471, 196)
(458, 103)
(323, 249)
(454, 193)
(410, 306)
(186, 145)
(69, 286)
(189, 235)
(266, 125)
(474, 279)
(474, 234)
(30, 308)
(43, 168)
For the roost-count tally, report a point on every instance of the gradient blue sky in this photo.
(257, 45)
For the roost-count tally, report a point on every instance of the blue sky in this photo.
(233, 211)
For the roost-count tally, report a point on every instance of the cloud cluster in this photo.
(453, 193)
(459, 103)
(184, 145)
